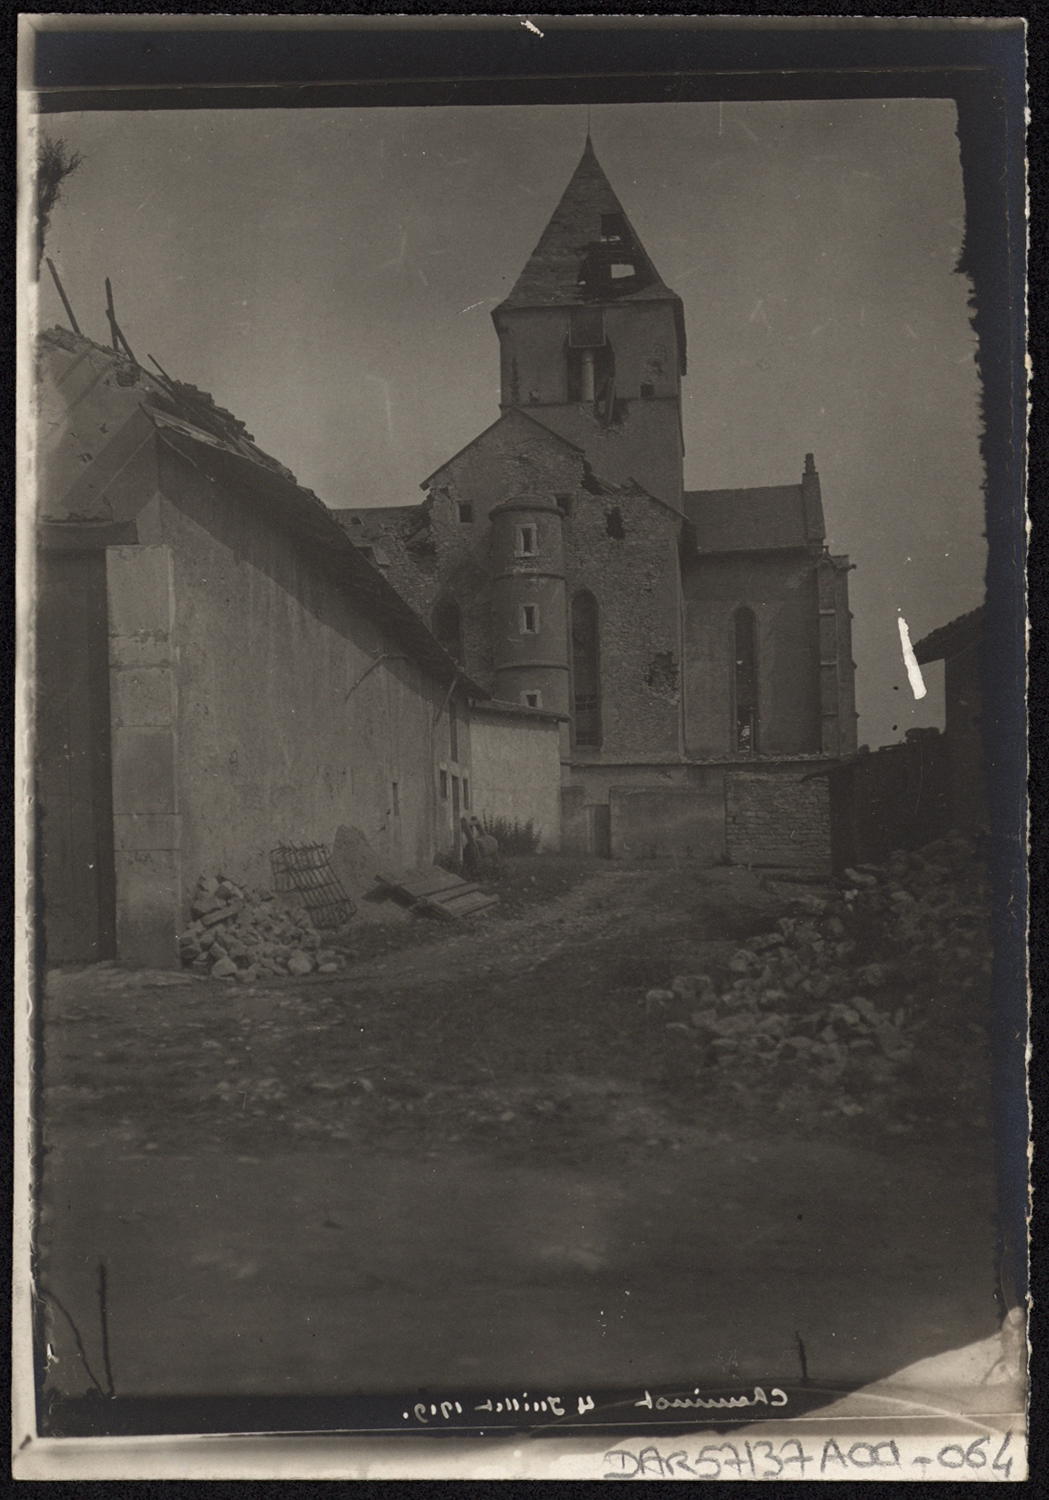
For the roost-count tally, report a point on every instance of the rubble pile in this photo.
(245, 935)
(872, 996)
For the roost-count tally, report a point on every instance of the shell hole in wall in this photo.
(614, 524)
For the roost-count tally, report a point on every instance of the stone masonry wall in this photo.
(777, 820)
(623, 549)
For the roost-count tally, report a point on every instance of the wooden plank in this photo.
(453, 892)
(434, 875)
(452, 899)
(426, 885)
(421, 882)
(462, 906)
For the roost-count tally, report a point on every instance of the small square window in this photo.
(529, 619)
(466, 512)
(647, 389)
(532, 699)
(564, 504)
(444, 785)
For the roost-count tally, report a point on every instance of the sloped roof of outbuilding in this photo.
(190, 423)
(948, 640)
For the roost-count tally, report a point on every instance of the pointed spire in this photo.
(589, 250)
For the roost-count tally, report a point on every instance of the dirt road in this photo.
(479, 1156)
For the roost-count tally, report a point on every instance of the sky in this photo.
(328, 275)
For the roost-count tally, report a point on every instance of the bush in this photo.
(512, 838)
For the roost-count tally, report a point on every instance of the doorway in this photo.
(74, 794)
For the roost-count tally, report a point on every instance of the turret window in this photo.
(529, 619)
(532, 699)
(526, 545)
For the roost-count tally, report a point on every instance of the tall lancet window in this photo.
(586, 672)
(745, 684)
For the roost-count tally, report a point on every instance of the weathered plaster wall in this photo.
(652, 821)
(778, 820)
(517, 771)
(781, 590)
(147, 828)
(634, 578)
(287, 728)
(93, 435)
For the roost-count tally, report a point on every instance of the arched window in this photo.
(448, 628)
(586, 672)
(745, 684)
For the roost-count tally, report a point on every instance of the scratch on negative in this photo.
(530, 27)
(910, 661)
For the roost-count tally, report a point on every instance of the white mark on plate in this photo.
(910, 661)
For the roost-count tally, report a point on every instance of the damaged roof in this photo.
(950, 639)
(589, 251)
(366, 523)
(190, 423)
(756, 520)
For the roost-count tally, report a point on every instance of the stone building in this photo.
(697, 642)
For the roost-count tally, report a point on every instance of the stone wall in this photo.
(778, 820)
(781, 590)
(623, 550)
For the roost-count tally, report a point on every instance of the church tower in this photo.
(593, 343)
(529, 618)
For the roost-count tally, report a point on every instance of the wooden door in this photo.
(74, 806)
